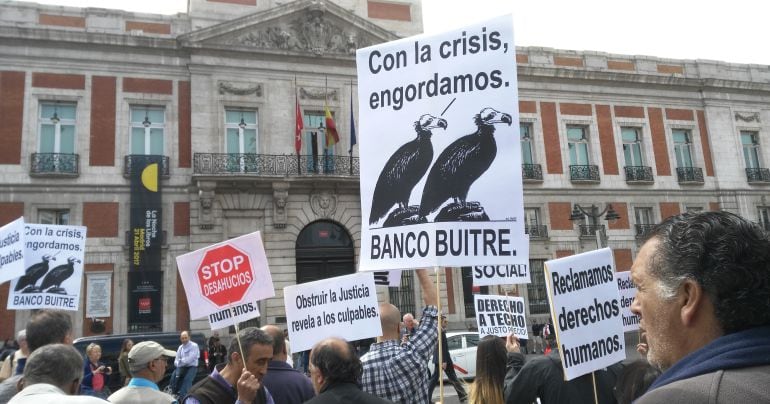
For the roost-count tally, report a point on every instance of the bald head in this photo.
(334, 361)
(279, 343)
(390, 319)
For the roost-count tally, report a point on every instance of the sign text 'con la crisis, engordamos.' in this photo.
(455, 243)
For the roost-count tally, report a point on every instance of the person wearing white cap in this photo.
(147, 364)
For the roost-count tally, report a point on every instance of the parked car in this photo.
(111, 344)
(462, 348)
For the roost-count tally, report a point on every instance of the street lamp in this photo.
(578, 213)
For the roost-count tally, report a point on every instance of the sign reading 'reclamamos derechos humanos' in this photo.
(585, 306)
(440, 154)
(224, 282)
(53, 275)
(345, 307)
(627, 290)
(501, 315)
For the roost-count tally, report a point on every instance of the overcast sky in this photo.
(733, 31)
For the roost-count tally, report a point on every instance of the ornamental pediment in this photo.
(308, 27)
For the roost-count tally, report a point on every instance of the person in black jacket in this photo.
(447, 366)
(543, 378)
(335, 371)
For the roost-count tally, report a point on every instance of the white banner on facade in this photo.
(488, 275)
(345, 307)
(585, 303)
(440, 153)
(627, 290)
(53, 257)
(501, 315)
(224, 281)
(98, 295)
(12, 250)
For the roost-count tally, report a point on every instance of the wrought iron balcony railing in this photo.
(689, 175)
(536, 231)
(643, 229)
(274, 164)
(588, 173)
(760, 175)
(55, 165)
(132, 160)
(531, 172)
(589, 230)
(639, 174)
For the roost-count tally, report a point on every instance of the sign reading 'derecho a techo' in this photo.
(225, 281)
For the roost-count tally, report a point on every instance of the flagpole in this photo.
(352, 129)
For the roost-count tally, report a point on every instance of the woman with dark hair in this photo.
(125, 375)
(634, 380)
(490, 372)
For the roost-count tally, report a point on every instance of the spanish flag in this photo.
(331, 129)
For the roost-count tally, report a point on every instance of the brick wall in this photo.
(551, 138)
(11, 116)
(149, 86)
(389, 11)
(101, 218)
(623, 223)
(623, 259)
(103, 101)
(65, 81)
(185, 125)
(659, 145)
(559, 213)
(181, 218)
(607, 139)
(668, 209)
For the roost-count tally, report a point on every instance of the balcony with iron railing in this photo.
(531, 173)
(643, 229)
(689, 175)
(132, 160)
(758, 175)
(539, 231)
(584, 173)
(590, 230)
(639, 175)
(233, 164)
(54, 165)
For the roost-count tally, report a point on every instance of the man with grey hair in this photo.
(703, 297)
(52, 375)
(240, 380)
(147, 363)
(14, 363)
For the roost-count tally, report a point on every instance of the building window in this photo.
(147, 126)
(682, 148)
(533, 224)
(644, 221)
(764, 217)
(632, 146)
(469, 291)
(577, 138)
(57, 128)
(536, 294)
(53, 216)
(693, 209)
(750, 142)
(321, 157)
(525, 131)
(241, 131)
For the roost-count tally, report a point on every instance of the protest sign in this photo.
(627, 290)
(12, 250)
(585, 305)
(53, 257)
(487, 275)
(225, 281)
(345, 306)
(501, 315)
(440, 153)
(390, 278)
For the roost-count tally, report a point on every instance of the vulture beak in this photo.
(441, 123)
(506, 118)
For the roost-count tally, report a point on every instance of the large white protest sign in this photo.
(12, 250)
(225, 281)
(627, 290)
(345, 307)
(501, 315)
(53, 257)
(487, 275)
(390, 278)
(440, 154)
(586, 306)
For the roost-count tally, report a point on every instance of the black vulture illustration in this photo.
(458, 167)
(59, 274)
(32, 275)
(403, 171)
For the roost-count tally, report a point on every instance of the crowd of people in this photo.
(703, 298)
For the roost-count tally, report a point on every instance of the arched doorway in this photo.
(324, 250)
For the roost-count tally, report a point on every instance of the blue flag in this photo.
(352, 124)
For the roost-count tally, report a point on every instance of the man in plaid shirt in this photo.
(396, 371)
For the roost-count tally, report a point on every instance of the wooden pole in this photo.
(440, 351)
(593, 378)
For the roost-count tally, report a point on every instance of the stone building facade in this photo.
(213, 90)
